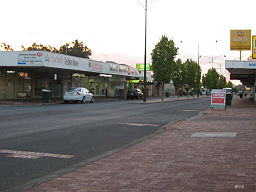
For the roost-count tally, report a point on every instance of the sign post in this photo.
(218, 98)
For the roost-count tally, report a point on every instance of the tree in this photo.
(178, 74)
(6, 47)
(40, 47)
(230, 84)
(163, 56)
(210, 80)
(193, 75)
(222, 83)
(76, 48)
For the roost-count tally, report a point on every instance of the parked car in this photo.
(134, 94)
(208, 92)
(78, 94)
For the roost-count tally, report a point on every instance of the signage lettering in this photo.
(69, 61)
(218, 98)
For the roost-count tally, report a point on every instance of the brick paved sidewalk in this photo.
(173, 161)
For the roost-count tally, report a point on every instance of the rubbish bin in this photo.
(228, 98)
(46, 95)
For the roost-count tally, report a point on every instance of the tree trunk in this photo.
(162, 92)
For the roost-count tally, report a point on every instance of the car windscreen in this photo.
(73, 90)
(131, 90)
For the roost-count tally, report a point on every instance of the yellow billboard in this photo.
(240, 39)
(254, 47)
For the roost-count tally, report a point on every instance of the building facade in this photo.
(245, 71)
(27, 73)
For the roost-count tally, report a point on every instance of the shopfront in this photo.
(24, 74)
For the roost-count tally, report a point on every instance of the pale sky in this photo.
(114, 29)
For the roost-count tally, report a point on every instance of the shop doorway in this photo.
(10, 89)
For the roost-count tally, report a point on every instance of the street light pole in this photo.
(145, 54)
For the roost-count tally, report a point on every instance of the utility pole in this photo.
(145, 55)
(198, 54)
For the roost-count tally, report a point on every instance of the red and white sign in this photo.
(218, 98)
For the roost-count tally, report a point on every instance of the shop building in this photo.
(245, 71)
(25, 73)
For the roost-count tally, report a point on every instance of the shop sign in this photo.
(252, 64)
(240, 39)
(140, 66)
(64, 60)
(95, 66)
(254, 47)
(30, 58)
(134, 81)
(218, 98)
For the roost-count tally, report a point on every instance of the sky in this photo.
(114, 29)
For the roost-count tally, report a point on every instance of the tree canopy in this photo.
(6, 47)
(187, 75)
(74, 48)
(213, 80)
(163, 56)
(179, 74)
(193, 75)
(40, 47)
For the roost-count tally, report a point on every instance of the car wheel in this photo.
(92, 100)
(83, 100)
(66, 102)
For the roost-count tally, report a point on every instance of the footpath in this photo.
(214, 152)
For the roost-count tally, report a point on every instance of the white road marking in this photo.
(33, 155)
(139, 124)
(189, 110)
(214, 134)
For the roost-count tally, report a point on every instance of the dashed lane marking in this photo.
(140, 124)
(189, 110)
(33, 155)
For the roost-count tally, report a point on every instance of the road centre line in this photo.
(140, 124)
(33, 155)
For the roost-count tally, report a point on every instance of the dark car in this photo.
(134, 94)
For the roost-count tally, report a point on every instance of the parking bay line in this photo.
(32, 155)
(140, 124)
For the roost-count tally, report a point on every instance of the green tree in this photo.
(163, 56)
(230, 84)
(178, 75)
(210, 79)
(222, 83)
(76, 48)
(193, 75)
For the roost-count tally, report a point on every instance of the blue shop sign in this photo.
(252, 64)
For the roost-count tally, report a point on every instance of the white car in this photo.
(78, 94)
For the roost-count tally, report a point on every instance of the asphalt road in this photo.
(40, 142)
